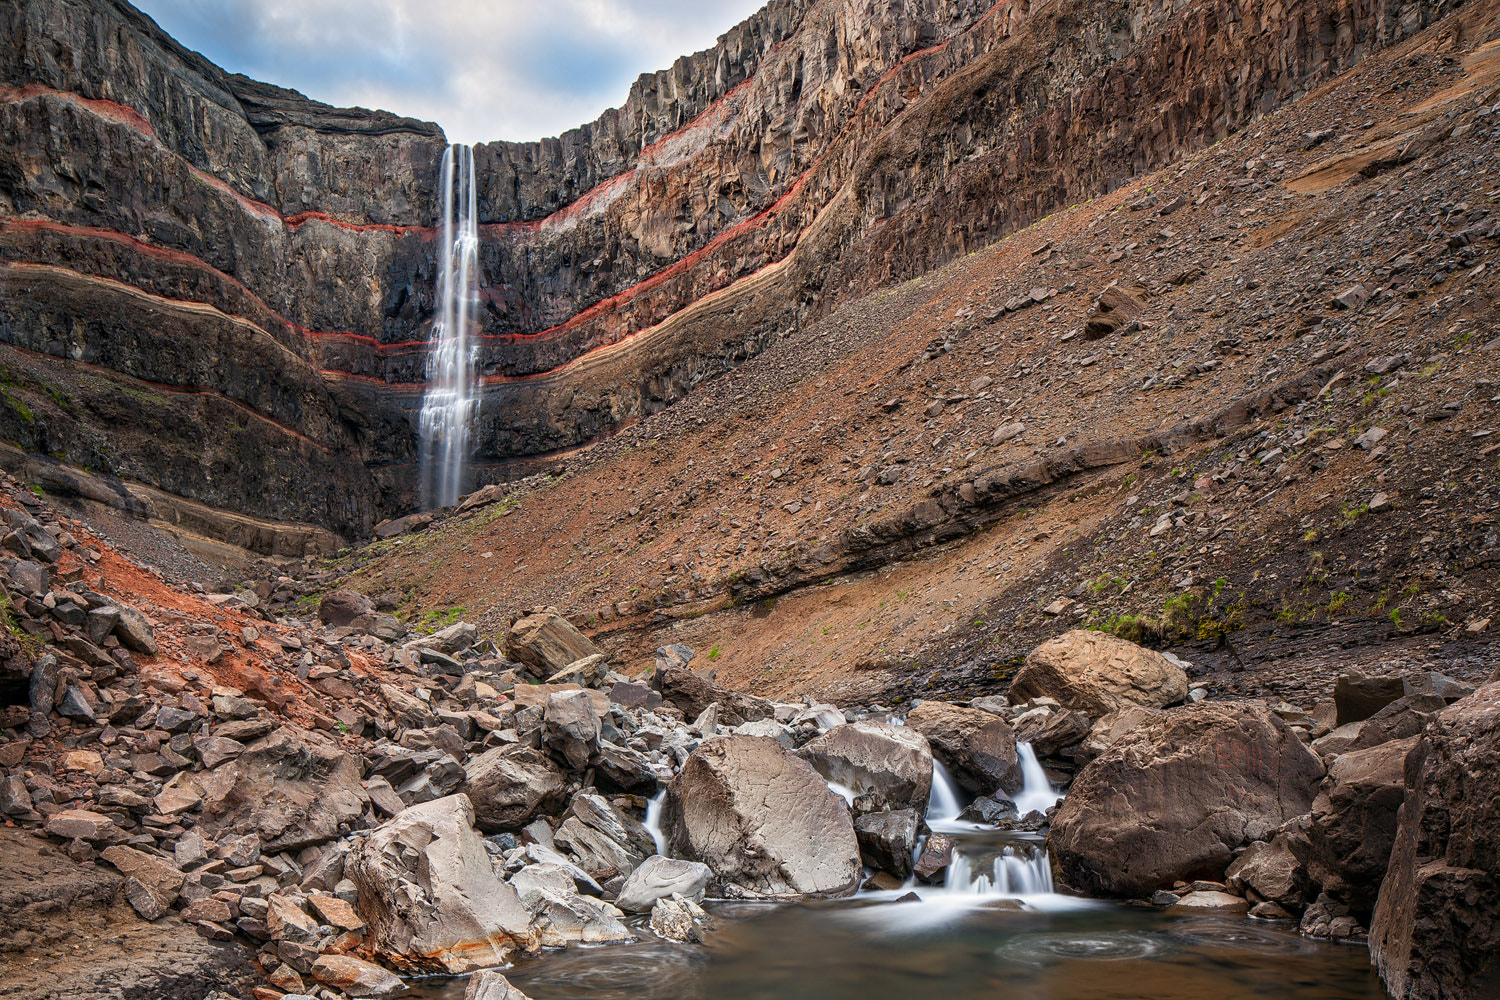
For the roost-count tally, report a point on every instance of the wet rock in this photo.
(293, 788)
(1177, 797)
(430, 896)
(356, 977)
(1051, 733)
(936, 856)
(488, 984)
(762, 820)
(1436, 927)
(887, 839)
(675, 918)
(1097, 673)
(1210, 901)
(894, 761)
(989, 810)
(1353, 823)
(560, 915)
(658, 877)
(980, 748)
(693, 693)
(547, 642)
(508, 786)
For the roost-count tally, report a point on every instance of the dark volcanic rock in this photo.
(1174, 799)
(1436, 929)
(1353, 823)
(979, 747)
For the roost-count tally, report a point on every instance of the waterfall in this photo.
(943, 804)
(1019, 869)
(450, 404)
(1037, 793)
(653, 821)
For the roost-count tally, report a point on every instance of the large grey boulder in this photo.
(510, 785)
(763, 820)
(978, 746)
(1436, 929)
(340, 608)
(293, 788)
(895, 761)
(1175, 798)
(570, 728)
(657, 878)
(430, 896)
(488, 984)
(1097, 673)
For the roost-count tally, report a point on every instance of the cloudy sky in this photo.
(483, 69)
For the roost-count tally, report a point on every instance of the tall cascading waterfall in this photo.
(446, 425)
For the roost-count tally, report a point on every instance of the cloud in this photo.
(502, 69)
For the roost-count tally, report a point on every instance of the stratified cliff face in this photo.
(221, 289)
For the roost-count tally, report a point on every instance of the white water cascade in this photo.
(451, 402)
(653, 821)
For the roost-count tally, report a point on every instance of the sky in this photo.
(482, 69)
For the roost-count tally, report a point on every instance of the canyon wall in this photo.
(223, 290)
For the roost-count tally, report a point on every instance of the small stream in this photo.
(995, 928)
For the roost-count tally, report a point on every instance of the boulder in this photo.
(1436, 927)
(547, 642)
(763, 820)
(1051, 733)
(979, 748)
(1353, 823)
(601, 836)
(570, 728)
(887, 839)
(1107, 730)
(622, 769)
(487, 984)
(293, 788)
(658, 877)
(1097, 673)
(1177, 797)
(693, 693)
(894, 761)
(561, 916)
(509, 785)
(356, 977)
(1357, 695)
(1276, 871)
(430, 896)
(340, 608)
(158, 876)
(1403, 718)
(674, 918)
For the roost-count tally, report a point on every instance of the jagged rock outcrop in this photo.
(894, 761)
(1436, 929)
(223, 290)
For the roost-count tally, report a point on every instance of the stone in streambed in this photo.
(657, 877)
(763, 820)
(886, 840)
(491, 985)
(676, 918)
(1174, 799)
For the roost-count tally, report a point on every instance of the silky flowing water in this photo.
(994, 929)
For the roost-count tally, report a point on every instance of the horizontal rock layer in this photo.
(255, 271)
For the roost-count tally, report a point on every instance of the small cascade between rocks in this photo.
(1016, 870)
(653, 821)
(451, 403)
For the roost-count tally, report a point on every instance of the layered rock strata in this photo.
(224, 290)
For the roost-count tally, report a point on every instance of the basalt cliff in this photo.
(216, 295)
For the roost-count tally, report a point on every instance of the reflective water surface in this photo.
(867, 949)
